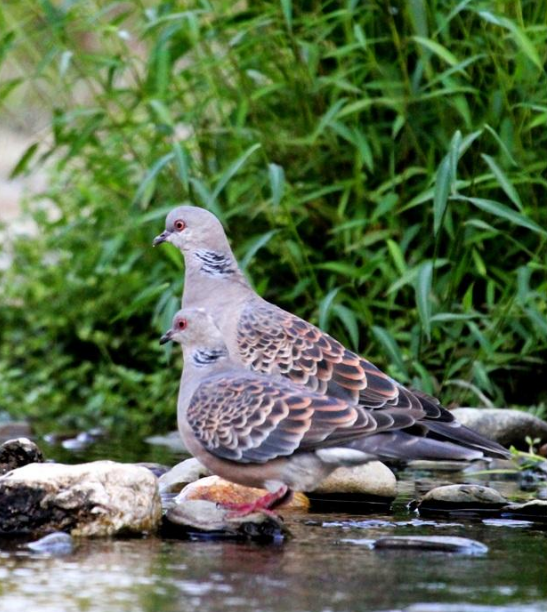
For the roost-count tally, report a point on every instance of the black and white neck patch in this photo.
(206, 357)
(215, 264)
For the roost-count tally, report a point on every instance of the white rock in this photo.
(374, 479)
(102, 498)
(505, 426)
(182, 474)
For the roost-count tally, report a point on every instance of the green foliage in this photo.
(380, 170)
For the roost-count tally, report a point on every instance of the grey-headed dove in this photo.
(264, 338)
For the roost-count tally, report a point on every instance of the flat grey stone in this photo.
(432, 543)
(503, 425)
(102, 498)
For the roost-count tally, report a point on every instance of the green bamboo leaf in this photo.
(504, 212)
(147, 186)
(519, 36)
(443, 180)
(391, 347)
(503, 181)
(423, 296)
(349, 320)
(438, 50)
(233, 169)
(325, 307)
(255, 245)
(286, 7)
(277, 182)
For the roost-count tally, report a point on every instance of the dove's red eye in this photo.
(179, 225)
(182, 324)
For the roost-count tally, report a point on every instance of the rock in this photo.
(15, 429)
(17, 453)
(371, 483)
(433, 543)
(172, 440)
(220, 491)
(182, 474)
(102, 498)
(535, 510)
(506, 426)
(460, 499)
(57, 543)
(543, 450)
(200, 519)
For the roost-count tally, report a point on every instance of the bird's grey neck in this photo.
(207, 357)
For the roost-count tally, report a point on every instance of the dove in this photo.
(264, 338)
(263, 430)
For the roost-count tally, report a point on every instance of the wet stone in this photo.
(200, 519)
(102, 498)
(17, 453)
(431, 543)
(460, 499)
(55, 544)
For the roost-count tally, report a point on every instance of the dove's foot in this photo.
(264, 504)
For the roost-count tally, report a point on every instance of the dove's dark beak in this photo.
(167, 336)
(161, 238)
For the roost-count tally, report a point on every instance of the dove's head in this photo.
(190, 228)
(194, 328)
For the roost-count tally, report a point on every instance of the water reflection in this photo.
(316, 570)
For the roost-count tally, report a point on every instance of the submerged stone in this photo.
(200, 519)
(432, 543)
(220, 491)
(57, 543)
(102, 498)
(17, 453)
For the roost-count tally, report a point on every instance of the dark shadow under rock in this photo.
(199, 519)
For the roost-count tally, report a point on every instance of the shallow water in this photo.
(327, 566)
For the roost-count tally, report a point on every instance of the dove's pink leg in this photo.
(264, 504)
